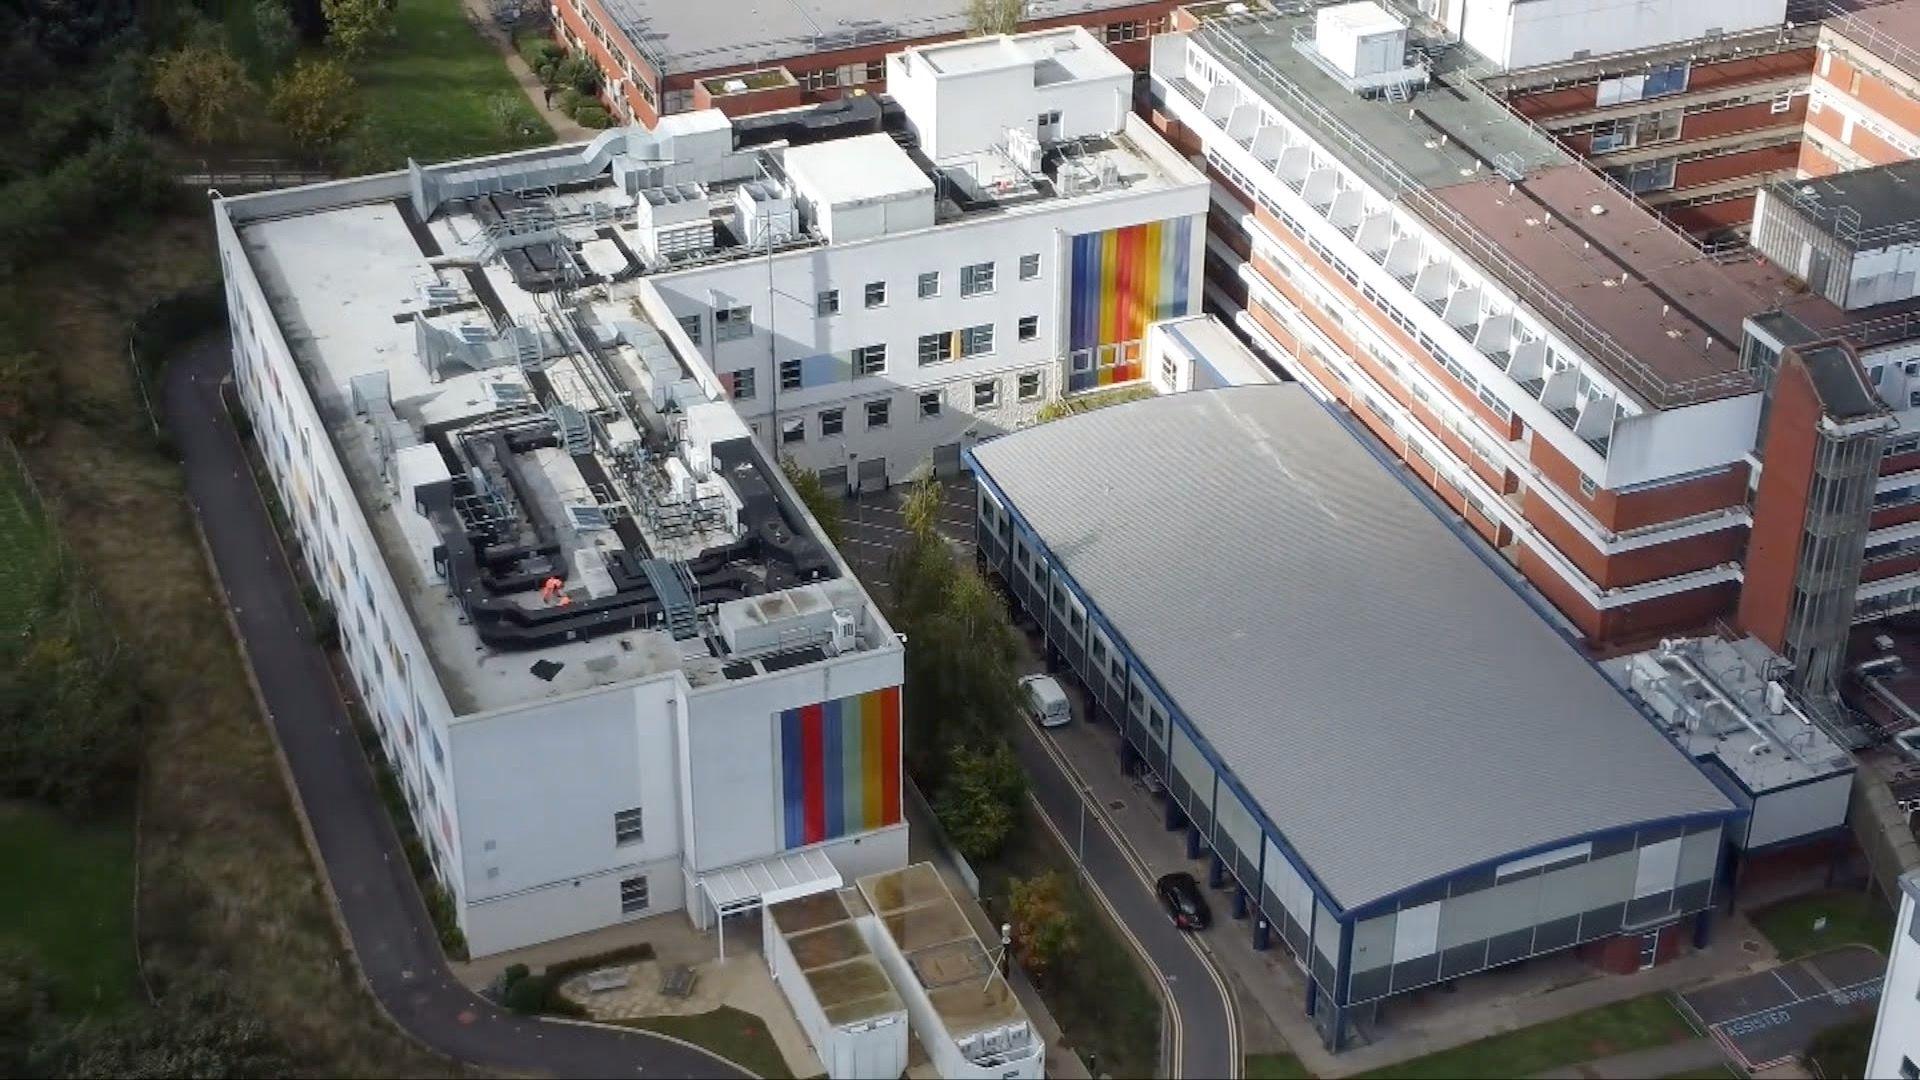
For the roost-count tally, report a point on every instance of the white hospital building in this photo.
(525, 414)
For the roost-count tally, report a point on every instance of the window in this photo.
(929, 404)
(1029, 267)
(1909, 1070)
(929, 284)
(1122, 31)
(1029, 386)
(793, 431)
(832, 422)
(790, 374)
(870, 360)
(1048, 119)
(935, 348)
(876, 294)
(986, 394)
(876, 70)
(1781, 102)
(878, 413)
(827, 303)
(1029, 327)
(976, 279)
(732, 323)
(691, 324)
(633, 896)
(739, 384)
(976, 340)
(627, 828)
(823, 79)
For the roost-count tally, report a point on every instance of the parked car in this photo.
(1046, 702)
(1180, 895)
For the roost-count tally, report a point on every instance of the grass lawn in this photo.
(739, 1036)
(426, 91)
(1101, 1000)
(66, 899)
(1852, 918)
(1636, 1024)
(30, 576)
(1274, 1067)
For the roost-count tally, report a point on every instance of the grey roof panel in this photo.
(1396, 709)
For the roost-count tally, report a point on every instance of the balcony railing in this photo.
(1658, 390)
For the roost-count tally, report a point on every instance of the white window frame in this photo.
(977, 279)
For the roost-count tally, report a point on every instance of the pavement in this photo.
(1770, 1017)
(565, 128)
(1202, 1038)
(377, 902)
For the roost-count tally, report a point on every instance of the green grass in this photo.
(1636, 1024)
(1852, 918)
(426, 91)
(66, 899)
(1099, 997)
(1275, 1067)
(739, 1036)
(30, 573)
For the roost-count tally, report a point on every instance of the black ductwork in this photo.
(838, 119)
(486, 568)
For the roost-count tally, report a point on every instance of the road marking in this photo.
(1141, 872)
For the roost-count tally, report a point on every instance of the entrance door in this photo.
(872, 476)
(1649, 949)
(946, 460)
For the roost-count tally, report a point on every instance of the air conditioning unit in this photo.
(846, 631)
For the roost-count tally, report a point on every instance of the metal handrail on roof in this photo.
(1872, 38)
(1658, 390)
(1844, 221)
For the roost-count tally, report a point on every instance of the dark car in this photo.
(1180, 895)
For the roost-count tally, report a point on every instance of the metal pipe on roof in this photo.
(1670, 652)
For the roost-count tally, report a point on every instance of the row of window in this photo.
(868, 360)
(832, 423)
(976, 279)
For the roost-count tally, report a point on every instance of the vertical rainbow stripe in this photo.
(840, 767)
(1121, 280)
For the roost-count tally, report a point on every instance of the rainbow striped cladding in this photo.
(840, 767)
(1121, 280)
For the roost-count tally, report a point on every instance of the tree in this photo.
(355, 26)
(980, 801)
(273, 24)
(316, 102)
(1046, 931)
(820, 502)
(202, 87)
(985, 17)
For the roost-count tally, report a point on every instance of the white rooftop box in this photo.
(1360, 39)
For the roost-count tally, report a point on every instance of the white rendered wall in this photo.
(957, 113)
(1800, 811)
(1524, 33)
(408, 708)
(785, 324)
(1896, 1036)
(569, 906)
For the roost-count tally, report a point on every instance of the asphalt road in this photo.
(385, 918)
(1202, 1037)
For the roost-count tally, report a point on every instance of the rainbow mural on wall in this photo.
(1120, 281)
(840, 767)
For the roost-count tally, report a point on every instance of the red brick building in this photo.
(658, 57)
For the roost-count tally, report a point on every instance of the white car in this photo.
(1046, 702)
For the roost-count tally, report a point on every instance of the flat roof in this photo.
(1654, 294)
(841, 171)
(1880, 205)
(698, 37)
(1890, 31)
(1395, 708)
(845, 977)
(946, 956)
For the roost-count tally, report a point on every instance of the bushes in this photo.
(526, 993)
(542, 54)
(593, 115)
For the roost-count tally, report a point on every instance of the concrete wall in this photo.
(1802, 811)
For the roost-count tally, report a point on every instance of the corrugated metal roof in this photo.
(1398, 711)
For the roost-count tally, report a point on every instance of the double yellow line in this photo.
(1176, 1034)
